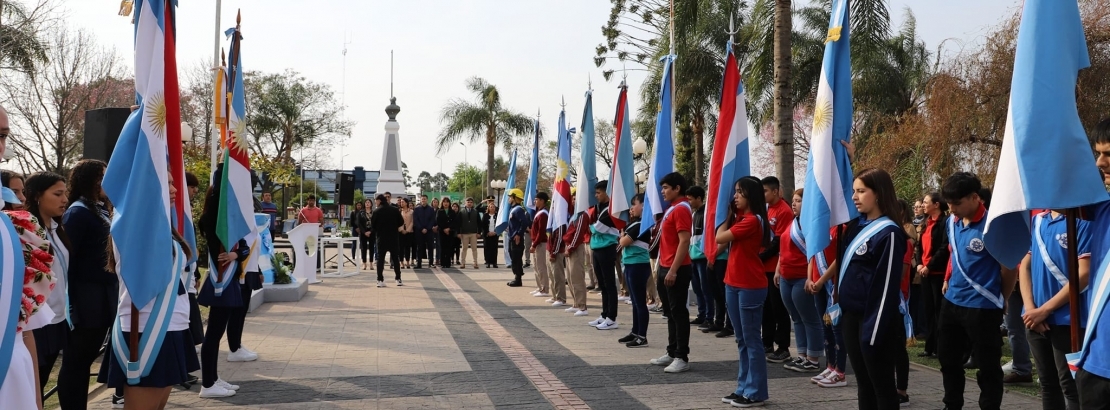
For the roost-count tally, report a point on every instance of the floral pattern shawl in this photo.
(38, 281)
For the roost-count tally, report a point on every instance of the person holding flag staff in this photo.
(577, 234)
(700, 282)
(746, 231)
(518, 224)
(1091, 368)
(557, 261)
(220, 291)
(538, 235)
(1044, 288)
(675, 269)
(603, 248)
(637, 270)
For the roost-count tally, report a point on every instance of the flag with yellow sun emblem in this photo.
(829, 172)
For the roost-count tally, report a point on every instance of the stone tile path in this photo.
(461, 339)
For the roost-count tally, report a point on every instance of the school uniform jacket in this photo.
(873, 279)
(93, 291)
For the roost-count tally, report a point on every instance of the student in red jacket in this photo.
(577, 235)
(538, 232)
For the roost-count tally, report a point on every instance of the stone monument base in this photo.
(292, 292)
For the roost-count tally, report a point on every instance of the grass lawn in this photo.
(1031, 389)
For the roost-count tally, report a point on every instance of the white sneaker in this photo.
(663, 360)
(244, 348)
(571, 309)
(624, 299)
(677, 366)
(399, 283)
(226, 385)
(216, 391)
(241, 356)
(628, 302)
(381, 284)
(549, 300)
(1008, 367)
(582, 313)
(608, 325)
(558, 303)
(541, 295)
(834, 380)
(818, 378)
(597, 321)
(534, 292)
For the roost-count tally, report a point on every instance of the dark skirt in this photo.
(176, 359)
(231, 296)
(51, 339)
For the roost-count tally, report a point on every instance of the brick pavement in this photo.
(462, 339)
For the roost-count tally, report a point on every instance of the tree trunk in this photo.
(491, 145)
(784, 121)
(698, 125)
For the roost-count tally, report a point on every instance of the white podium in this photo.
(306, 246)
(340, 257)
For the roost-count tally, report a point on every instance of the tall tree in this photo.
(483, 117)
(286, 111)
(48, 103)
(22, 29)
(784, 120)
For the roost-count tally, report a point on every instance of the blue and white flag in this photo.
(530, 187)
(829, 177)
(587, 176)
(503, 211)
(662, 162)
(622, 176)
(1045, 162)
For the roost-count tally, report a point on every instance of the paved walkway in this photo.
(462, 339)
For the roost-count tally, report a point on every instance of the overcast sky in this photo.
(534, 51)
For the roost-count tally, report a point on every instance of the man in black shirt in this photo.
(386, 223)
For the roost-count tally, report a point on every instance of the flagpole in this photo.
(214, 146)
(1073, 277)
(225, 141)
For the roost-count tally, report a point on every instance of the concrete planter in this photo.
(292, 292)
(257, 298)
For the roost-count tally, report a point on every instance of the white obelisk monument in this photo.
(391, 179)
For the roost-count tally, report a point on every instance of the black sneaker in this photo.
(697, 321)
(627, 339)
(117, 401)
(724, 333)
(903, 400)
(728, 399)
(811, 367)
(797, 365)
(527, 265)
(779, 356)
(639, 342)
(768, 349)
(704, 326)
(745, 402)
(591, 287)
(711, 329)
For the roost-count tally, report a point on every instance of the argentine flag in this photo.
(503, 212)
(533, 169)
(1045, 161)
(663, 153)
(829, 178)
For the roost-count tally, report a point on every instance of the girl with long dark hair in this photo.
(93, 290)
(445, 220)
(746, 231)
(869, 276)
(46, 201)
(13, 181)
(224, 259)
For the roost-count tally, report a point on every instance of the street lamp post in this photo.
(639, 148)
(640, 179)
(499, 186)
(186, 132)
(466, 178)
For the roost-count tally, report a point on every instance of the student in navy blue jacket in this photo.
(93, 291)
(423, 224)
(869, 268)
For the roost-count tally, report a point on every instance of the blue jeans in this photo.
(704, 299)
(637, 275)
(745, 310)
(1015, 327)
(834, 339)
(808, 332)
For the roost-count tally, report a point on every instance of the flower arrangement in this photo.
(38, 281)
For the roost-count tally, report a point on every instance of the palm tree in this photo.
(21, 46)
(483, 117)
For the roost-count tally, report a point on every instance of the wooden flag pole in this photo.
(1071, 214)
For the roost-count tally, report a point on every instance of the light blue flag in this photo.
(1045, 162)
(829, 177)
(622, 176)
(662, 162)
(503, 212)
(588, 178)
(533, 169)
